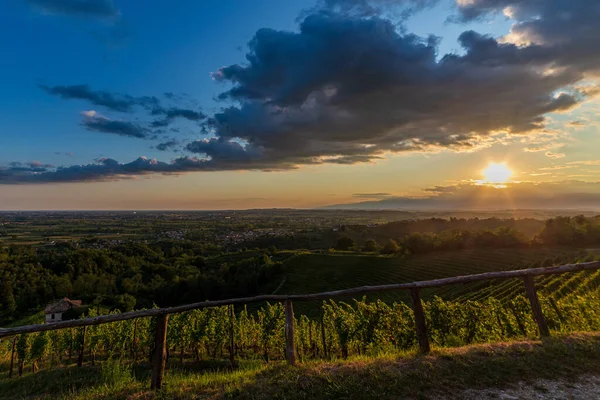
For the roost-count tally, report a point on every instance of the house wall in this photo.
(57, 317)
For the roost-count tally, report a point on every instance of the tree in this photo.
(125, 302)
(7, 299)
(391, 247)
(371, 246)
(345, 243)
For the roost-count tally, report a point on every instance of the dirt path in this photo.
(585, 388)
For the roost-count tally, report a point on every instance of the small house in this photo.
(54, 312)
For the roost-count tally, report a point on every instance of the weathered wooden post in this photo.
(12, 357)
(159, 355)
(290, 349)
(81, 347)
(231, 336)
(420, 324)
(535, 306)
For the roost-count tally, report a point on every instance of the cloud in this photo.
(125, 103)
(542, 147)
(585, 162)
(94, 122)
(167, 145)
(112, 101)
(441, 189)
(224, 150)
(372, 195)
(569, 194)
(172, 113)
(102, 9)
(557, 167)
(352, 85)
(554, 155)
(102, 170)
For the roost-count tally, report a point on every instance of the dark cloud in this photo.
(31, 167)
(372, 195)
(441, 189)
(547, 195)
(80, 8)
(112, 101)
(172, 113)
(348, 87)
(105, 169)
(401, 9)
(97, 123)
(124, 103)
(167, 145)
(223, 149)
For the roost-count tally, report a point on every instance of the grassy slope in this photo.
(443, 373)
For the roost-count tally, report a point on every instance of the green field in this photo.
(312, 273)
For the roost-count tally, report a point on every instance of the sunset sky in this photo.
(114, 104)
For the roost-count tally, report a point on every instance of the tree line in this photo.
(132, 275)
(559, 231)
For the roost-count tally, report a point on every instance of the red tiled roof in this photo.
(62, 306)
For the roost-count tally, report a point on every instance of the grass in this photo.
(444, 373)
(37, 318)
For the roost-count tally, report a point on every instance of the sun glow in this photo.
(496, 173)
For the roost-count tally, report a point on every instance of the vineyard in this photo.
(345, 329)
(481, 311)
(310, 273)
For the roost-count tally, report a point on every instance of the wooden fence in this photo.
(161, 314)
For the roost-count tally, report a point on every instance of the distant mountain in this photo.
(486, 198)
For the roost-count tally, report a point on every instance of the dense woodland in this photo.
(141, 274)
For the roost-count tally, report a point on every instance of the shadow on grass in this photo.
(444, 373)
(55, 380)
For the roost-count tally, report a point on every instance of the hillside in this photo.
(312, 273)
(481, 371)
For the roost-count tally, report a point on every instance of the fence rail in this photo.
(158, 359)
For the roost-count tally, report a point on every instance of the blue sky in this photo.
(185, 54)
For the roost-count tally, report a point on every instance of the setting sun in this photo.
(497, 173)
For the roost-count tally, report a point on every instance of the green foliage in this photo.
(390, 247)
(345, 243)
(116, 373)
(370, 246)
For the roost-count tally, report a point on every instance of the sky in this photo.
(114, 104)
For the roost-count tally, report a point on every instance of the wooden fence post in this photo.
(290, 349)
(535, 306)
(420, 321)
(12, 357)
(231, 336)
(81, 347)
(159, 355)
